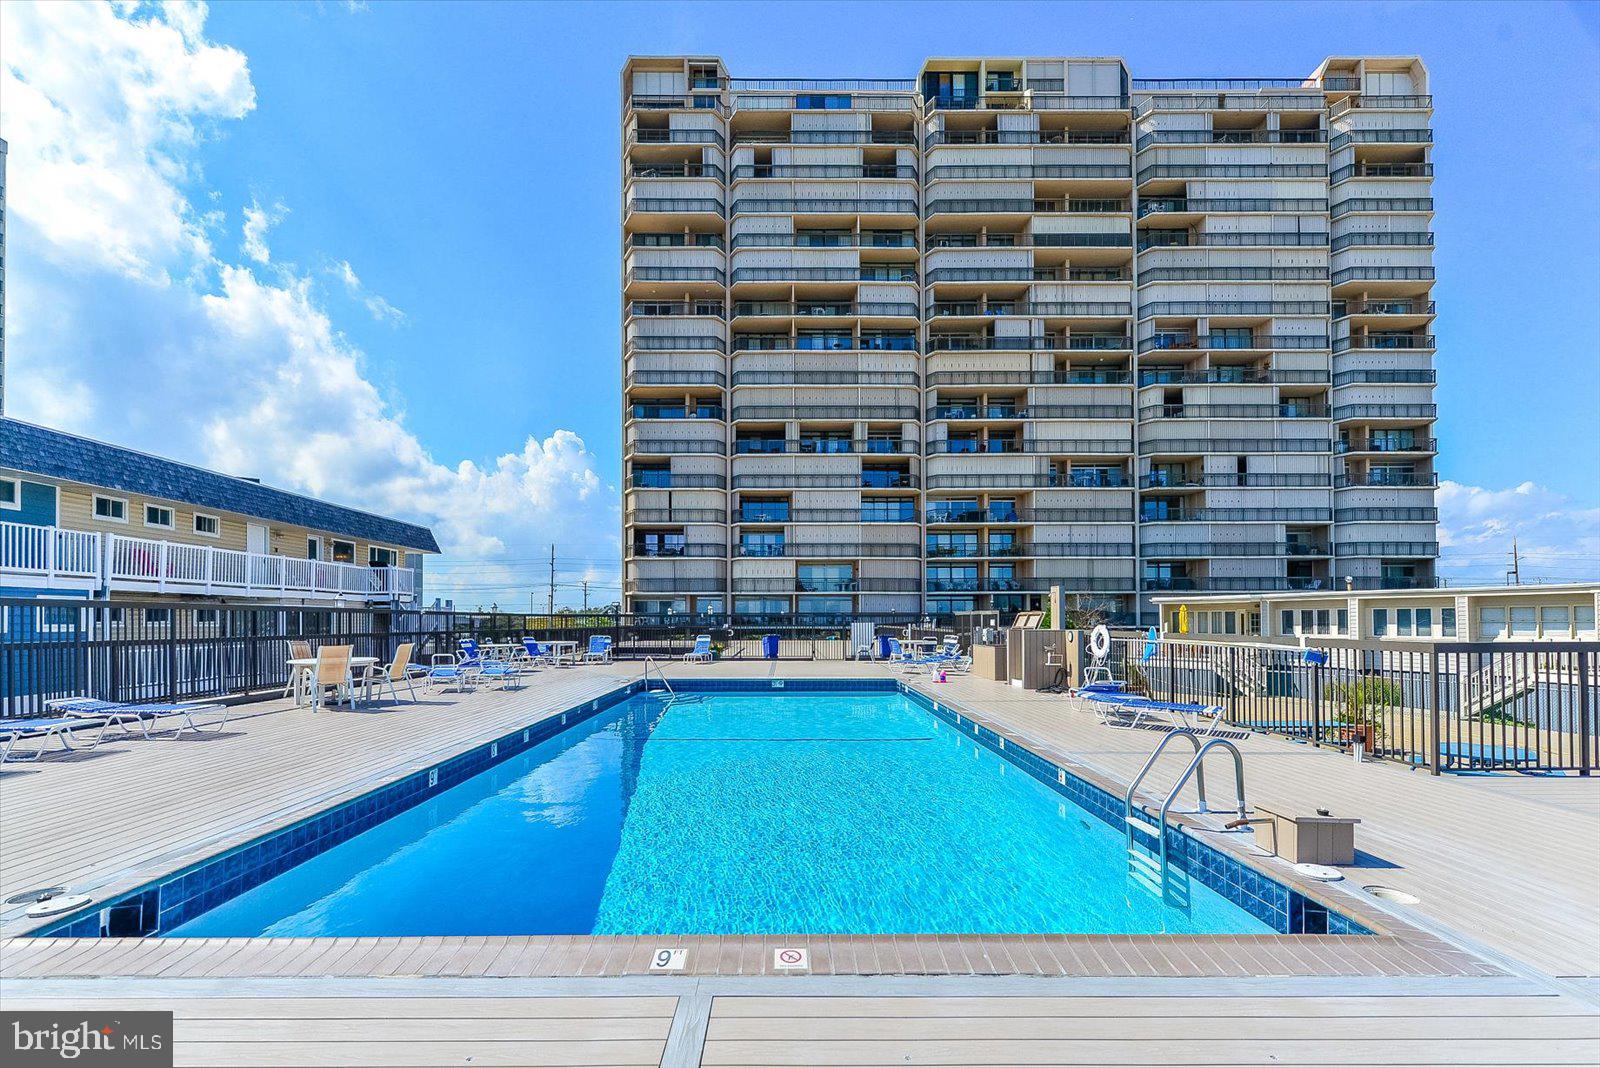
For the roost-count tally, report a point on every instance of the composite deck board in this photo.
(1199, 1030)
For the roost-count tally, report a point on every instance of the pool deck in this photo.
(1496, 964)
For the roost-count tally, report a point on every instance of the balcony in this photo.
(1231, 376)
(1031, 446)
(1385, 480)
(679, 447)
(1248, 342)
(1194, 308)
(676, 343)
(844, 550)
(1197, 549)
(1377, 102)
(848, 413)
(940, 514)
(956, 412)
(828, 239)
(712, 550)
(677, 516)
(61, 559)
(1382, 274)
(989, 308)
(1355, 446)
(905, 379)
(1281, 410)
(820, 206)
(1385, 411)
(674, 377)
(676, 170)
(886, 273)
(1029, 584)
(1229, 137)
(758, 171)
(753, 513)
(644, 136)
(825, 309)
(847, 480)
(822, 447)
(1158, 240)
(1422, 136)
(675, 480)
(989, 480)
(1270, 171)
(1234, 445)
(1042, 343)
(1030, 171)
(823, 102)
(1384, 341)
(1397, 239)
(1026, 206)
(1402, 549)
(1234, 101)
(1382, 205)
(1233, 273)
(1087, 376)
(1026, 137)
(825, 137)
(864, 584)
(151, 566)
(1236, 515)
(640, 205)
(1230, 205)
(1386, 515)
(1232, 480)
(1237, 583)
(1381, 170)
(941, 275)
(1344, 309)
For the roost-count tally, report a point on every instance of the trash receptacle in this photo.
(883, 647)
(769, 646)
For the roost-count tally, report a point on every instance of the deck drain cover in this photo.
(1320, 872)
(55, 906)
(1389, 893)
(30, 897)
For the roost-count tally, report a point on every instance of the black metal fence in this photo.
(1455, 706)
(156, 651)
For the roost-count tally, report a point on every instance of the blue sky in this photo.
(434, 189)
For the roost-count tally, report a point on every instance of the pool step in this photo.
(1138, 823)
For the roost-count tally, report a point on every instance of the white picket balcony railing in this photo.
(170, 566)
(124, 562)
(49, 551)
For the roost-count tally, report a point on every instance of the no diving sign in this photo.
(791, 959)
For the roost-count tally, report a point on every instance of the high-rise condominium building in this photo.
(896, 346)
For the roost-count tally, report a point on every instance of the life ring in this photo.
(1100, 642)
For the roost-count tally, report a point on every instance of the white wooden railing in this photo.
(50, 552)
(124, 562)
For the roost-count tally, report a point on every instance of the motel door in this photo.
(255, 538)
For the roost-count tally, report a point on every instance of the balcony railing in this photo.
(886, 273)
(1235, 480)
(1187, 308)
(1386, 411)
(676, 515)
(825, 378)
(1282, 410)
(844, 412)
(956, 171)
(1171, 171)
(1031, 446)
(1396, 239)
(1343, 309)
(989, 480)
(675, 137)
(674, 205)
(955, 412)
(1069, 240)
(1422, 136)
(1236, 515)
(828, 239)
(170, 567)
(943, 275)
(1421, 445)
(1384, 341)
(1025, 206)
(1070, 309)
(49, 552)
(1026, 137)
(676, 343)
(752, 513)
(819, 206)
(1385, 480)
(825, 137)
(1164, 341)
(1088, 376)
(823, 447)
(1382, 274)
(1234, 445)
(1388, 548)
(1381, 205)
(1231, 376)
(1158, 240)
(653, 377)
(844, 550)
(1376, 102)
(845, 480)
(942, 514)
(1042, 343)
(1381, 170)
(1386, 515)
(1233, 273)
(1230, 205)
(1193, 549)
(1230, 137)
(676, 480)
(1235, 101)
(822, 170)
(684, 550)
(676, 170)
(1424, 376)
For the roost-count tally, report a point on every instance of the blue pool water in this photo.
(735, 814)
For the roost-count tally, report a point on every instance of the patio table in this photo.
(562, 651)
(304, 666)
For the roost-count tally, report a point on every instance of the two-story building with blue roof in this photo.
(84, 519)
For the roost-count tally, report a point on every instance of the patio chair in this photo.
(14, 729)
(145, 714)
(398, 671)
(702, 649)
(536, 653)
(333, 673)
(298, 650)
(1126, 710)
(469, 650)
(599, 651)
(448, 673)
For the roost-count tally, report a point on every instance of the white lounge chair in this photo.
(62, 728)
(145, 714)
(701, 651)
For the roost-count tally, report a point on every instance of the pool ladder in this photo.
(673, 696)
(1154, 872)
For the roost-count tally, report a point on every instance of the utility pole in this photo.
(550, 603)
(1514, 573)
(585, 596)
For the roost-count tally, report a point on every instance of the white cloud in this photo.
(126, 323)
(376, 306)
(1557, 539)
(257, 221)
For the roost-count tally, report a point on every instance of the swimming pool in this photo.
(821, 810)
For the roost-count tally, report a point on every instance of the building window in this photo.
(110, 509)
(1447, 622)
(378, 557)
(1286, 622)
(57, 619)
(1491, 623)
(1380, 622)
(1307, 621)
(10, 494)
(1555, 621)
(1524, 623)
(1203, 622)
(1402, 622)
(1323, 618)
(1255, 624)
(156, 515)
(344, 552)
(1344, 620)
(207, 525)
(1583, 620)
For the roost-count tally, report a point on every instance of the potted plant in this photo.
(1362, 703)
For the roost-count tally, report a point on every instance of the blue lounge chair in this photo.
(446, 672)
(14, 729)
(702, 649)
(599, 651)
(539, 654)
(146, 714)
(1122, 709)
(469, 650)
